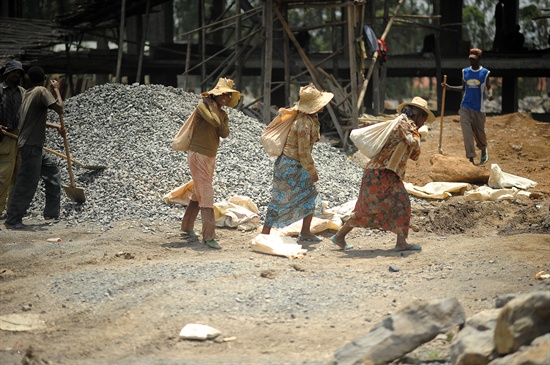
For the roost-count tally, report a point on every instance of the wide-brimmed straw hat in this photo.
(312, 100)
(223, 86)
(13, 65)
(418, 102)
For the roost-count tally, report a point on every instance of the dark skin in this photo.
(57, 106)
(474, 62)
(306, 223)
(401, 242)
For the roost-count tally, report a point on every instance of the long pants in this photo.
(473, 128)
(8, 168)
(35, 165)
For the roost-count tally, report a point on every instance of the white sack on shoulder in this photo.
(370, 140)
(499, 179)
(272, 244)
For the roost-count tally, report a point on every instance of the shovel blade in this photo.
(76, 194)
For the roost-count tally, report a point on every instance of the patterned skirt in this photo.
(293, 196)
(383, 203)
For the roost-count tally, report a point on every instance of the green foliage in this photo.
(534, 26)
(475, 29)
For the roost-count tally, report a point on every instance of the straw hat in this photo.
(312, 100)
(418, 102)
(223, 86)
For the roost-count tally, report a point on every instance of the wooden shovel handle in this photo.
(440, 150)
(71, 175)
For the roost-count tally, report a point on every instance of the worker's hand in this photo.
(445, 86)
(62, 131)
(54, 84)
(315, 177)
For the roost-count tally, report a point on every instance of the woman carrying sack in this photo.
(294, 195)
(383, 201)
(210, 124)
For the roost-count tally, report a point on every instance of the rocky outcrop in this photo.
(517, 332)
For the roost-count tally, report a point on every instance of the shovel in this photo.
(74, 193)
(440, 146)
(80, 164)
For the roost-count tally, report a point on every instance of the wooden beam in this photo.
(375, 57)
(121, 41)
(268, 56)
(312, 70)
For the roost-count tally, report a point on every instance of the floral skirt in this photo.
(293, 196)
(383, 203)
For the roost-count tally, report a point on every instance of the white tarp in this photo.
(436, 190)
(499, 179)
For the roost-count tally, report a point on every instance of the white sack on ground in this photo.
(180, 195)
(436, 190)
(239, 211)
(318, 225)
(273, 244)
(343, 211)
(499, 179)
(486, 193)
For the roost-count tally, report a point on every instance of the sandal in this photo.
(346, 247)
(190, 233)
(213, 244)
(309, 238)
(14, 226)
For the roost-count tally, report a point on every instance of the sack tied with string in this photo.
(182, 139)
(369, 140)
(275, 135)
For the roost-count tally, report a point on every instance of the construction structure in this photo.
(238, 40)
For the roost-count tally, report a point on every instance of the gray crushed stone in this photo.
(129, 129)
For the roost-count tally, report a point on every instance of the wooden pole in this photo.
(187, 62)
(121, 40)
(375, 57)
(439, 147)
(238, 47)
(143, 38)
(202, 41)
(352, 66)
(268, 57)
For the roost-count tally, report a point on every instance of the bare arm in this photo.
(453, 88)
(58, 105)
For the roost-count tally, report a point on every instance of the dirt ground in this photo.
(121, 296)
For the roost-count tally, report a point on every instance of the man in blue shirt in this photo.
(475, 82)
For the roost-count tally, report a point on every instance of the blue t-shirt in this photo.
(474, 87)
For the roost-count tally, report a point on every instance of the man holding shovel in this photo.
(35, 164)
(11, 96)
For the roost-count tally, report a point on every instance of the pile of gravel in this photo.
(129, 129)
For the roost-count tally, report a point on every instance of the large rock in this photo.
(538, 353)
(521, 321)
(455, 169)
(402, 332)
(474, 344)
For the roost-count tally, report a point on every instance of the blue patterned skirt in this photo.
(293, 196)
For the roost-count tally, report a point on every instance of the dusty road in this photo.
(121, 296)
